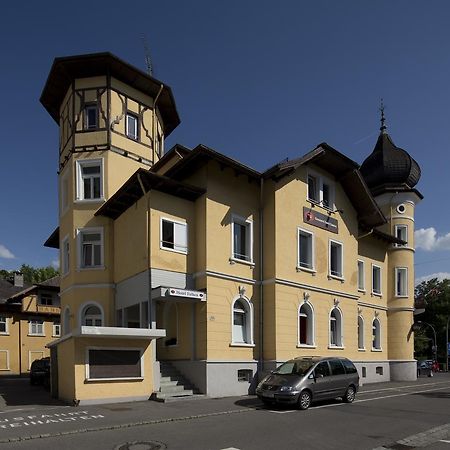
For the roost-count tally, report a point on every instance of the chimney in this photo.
(18, 279)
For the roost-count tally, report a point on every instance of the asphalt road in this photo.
(389, 415)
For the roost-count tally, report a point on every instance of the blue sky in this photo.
(257, 80)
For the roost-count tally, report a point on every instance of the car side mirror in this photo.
(311, 376)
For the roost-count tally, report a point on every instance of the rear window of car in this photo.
(349, 366)
(336, 367)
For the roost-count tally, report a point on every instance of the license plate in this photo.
(268, 394)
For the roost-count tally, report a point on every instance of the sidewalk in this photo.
(23, 422)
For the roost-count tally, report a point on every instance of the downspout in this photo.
(261, 274)
(153, 121)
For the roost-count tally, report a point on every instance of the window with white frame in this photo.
(361, 279)
(91, 248)
(242, 239)
(92, 316)
(36, 328)
(56, 329)
(3, 325)
(360, 333)
(401, 232)
(305, 250)
(320, 190)
(335, 328)
(90, 179)
(174, 235)
(336, 259)
(376, 335)
(242, 332)
(376, 279)
(306, 325)
(65, 263)
(132, 126)
(91, 116)
(401, 281)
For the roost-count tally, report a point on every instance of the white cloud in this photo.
(427, 239)
(5, 253)
(55, 264)
(439, 275)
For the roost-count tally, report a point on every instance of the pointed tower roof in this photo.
(389, 167)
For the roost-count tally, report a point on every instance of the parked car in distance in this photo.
(301, 381)
(40, 372)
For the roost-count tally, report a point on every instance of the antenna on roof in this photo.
(383, 119)
(147, 57)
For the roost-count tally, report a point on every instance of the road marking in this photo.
(440, 440)
(230, 448)
(402, 387)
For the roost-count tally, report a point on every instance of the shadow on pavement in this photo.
(19, 392)
(255, 403)
(439, 394)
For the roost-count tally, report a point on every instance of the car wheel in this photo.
(304, 400)
(350, 394)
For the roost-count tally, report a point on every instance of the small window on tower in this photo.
(132, 126)
(90, 117)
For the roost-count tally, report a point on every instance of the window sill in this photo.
(376, 294)
(82, 269)
(5, 370)
(306, 269)
(101, 380)
(402, 296)
(90, 200)
(363, 291)
(336, 277)
(336, 347)
(376, 350)
(242, 261)
(36, 335)
(241, 344)
(173, 250)
(4, 334)
(306, 346)
(361, 349)
(56, 335)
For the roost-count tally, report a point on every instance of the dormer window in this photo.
(320, 191)
(90, 117)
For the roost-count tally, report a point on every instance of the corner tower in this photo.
(113, 119)
(391, 175)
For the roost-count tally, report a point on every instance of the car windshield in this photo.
(294, 368)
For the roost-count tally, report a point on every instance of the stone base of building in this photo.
(403, 370)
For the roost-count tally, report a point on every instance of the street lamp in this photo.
(434, 331)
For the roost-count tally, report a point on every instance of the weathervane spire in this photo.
(383, 119)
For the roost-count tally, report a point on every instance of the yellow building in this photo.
(29, 321)
(187, 271)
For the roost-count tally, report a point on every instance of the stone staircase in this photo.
(174, 386)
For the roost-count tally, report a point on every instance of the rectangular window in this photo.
(113, 364)
(56, 329)
(91, 248)
(305, 250)
(46, 299)
(376, 280)
(361, 280)
(90, 117)
(36, 328)
(401, 281)
(320, 190)
(379, 370)
(245, 375)
(242, 234)
(3, 325)
(90, 179)
(174, 235)
(401, 232)
(65, 266)
(336, 259)
(132, 126)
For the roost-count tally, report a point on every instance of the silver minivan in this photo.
(301, 381)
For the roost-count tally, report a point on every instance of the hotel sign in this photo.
(186, 293)
(320, 220)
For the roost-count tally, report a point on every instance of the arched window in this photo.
(376, 332)
(92, 316)
(305, 325)
(242, 332)
(335, 328)
(360, 333)
(66, 321)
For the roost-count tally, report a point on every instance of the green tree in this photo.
(434, 295)
(32, 274)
